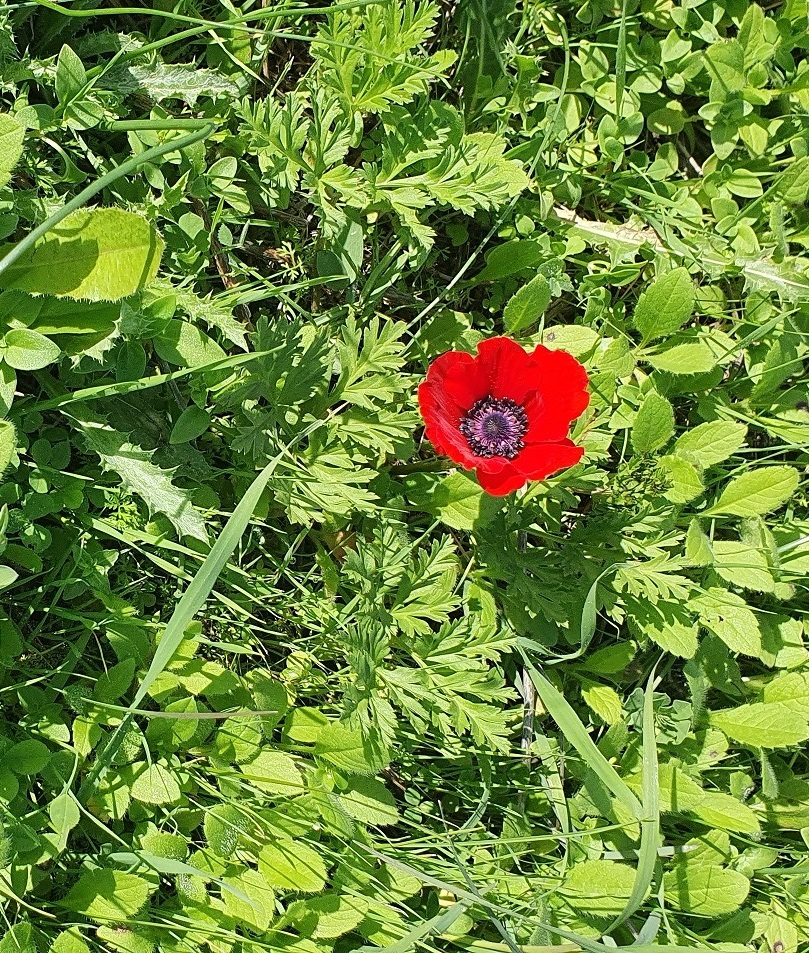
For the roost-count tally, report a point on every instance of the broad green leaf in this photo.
(333, 915)
(698, 549)
(108, 895)
(156, 785)
(723, 811)
(293, 866)
(223, 825)
(8, 444)
(274, 772)
(344, 748)
(693, 358)
(508, 259)
(792, 185)
(666, 305)
(573, 338)
(730, 618)
(11, 140)
(184, 345)
(598, 888)
(705, 889)
(192, 423)
(790, 689)
(71, 77)
(742, 565)
(725, 61)
(369, 801)
(27, 350)
(69, 941)
(528, 305)
(762, 724)
(711, 443)
(101, 254)
(654, 424)
(27, 757)
(20, 938)
(604, 701)
(161, 81)
(248, 899)
(756, 492)
(64, 813)
(457, 500)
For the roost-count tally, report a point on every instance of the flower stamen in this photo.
(495, 428)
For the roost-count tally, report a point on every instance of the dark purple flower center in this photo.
(495, 428)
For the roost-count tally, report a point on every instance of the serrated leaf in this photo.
(756, 492)
(604, 701)
(12, 135)
(711, 443)
(762, 724)
(101, 254)
(743, 565)
(792, 185)
(274, 772)
(344, 748)
(69, 941)
(654, 424)
(528, 305)
(163, 81)
(222, 825)
(730, 618)
(457, 500)
(156, 785)
(666, 305)
(691, 358)
(698, 550)
(788, 277)
(108, 896)
(292, 865)
(139, 475)
(27, 757)
(667, 624)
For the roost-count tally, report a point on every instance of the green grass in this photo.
(273, 675)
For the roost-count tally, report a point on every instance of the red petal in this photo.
(460, 377)
(538, 461)
(502, 482)
(441, 417)
(561, 395)
(507, 368)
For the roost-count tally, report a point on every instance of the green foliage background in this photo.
(390, 712)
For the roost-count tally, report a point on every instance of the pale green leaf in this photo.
(705, 889)
(756, 492)
(654, 424)
(731, 619)
(248, 899)
(71, 76)
(27, 350)
(692, 358)
(762, 724)
(8, 444)
(293, 866)
(711, 443)
(139, 475)
(686, 483)
(369, 801)
(528, 305)
(274, 772)
(666, 305)
(100, 254)
(156, 785)
(11, 140)
(108, 895)
(343, 747)
(604, 701)
(598, 888)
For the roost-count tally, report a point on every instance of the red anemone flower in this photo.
(505, 413)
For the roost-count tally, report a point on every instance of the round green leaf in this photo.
(27, 350)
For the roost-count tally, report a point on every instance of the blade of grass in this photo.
(191, 602)
(650, 822)
(575, 732)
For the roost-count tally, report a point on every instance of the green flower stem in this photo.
(86, 194)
